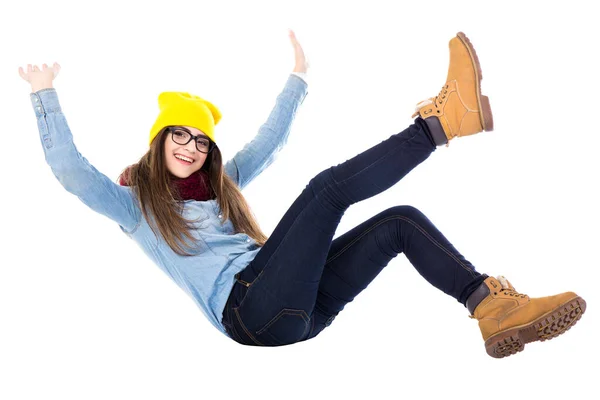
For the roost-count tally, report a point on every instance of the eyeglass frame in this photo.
(193, 137)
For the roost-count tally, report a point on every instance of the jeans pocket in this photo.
(287, 327)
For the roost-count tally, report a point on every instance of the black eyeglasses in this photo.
(183, 136)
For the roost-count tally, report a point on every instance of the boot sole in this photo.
(548, 326)
(486, 117)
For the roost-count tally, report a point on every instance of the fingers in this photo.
(301, 60)
(293, 38)
(22, 73)
(30, 69)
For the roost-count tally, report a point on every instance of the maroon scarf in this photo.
(194, 187)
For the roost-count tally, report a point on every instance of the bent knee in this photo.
(405, 211)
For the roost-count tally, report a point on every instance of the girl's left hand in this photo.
(301, 62)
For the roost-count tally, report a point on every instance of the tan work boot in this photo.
(508, 319)
(459, 109)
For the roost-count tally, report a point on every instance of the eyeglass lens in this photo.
(182, 137)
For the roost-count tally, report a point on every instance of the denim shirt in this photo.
(207, 276)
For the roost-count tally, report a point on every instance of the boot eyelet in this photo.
(439, 112)
(495, 293)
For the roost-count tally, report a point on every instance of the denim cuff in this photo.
(44, 101)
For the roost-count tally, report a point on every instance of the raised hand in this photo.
(40, 79)
(301, 62)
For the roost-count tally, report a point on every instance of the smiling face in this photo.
(180, 168)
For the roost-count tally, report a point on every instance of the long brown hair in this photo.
(149, 179)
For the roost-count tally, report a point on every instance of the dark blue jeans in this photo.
(302, 278)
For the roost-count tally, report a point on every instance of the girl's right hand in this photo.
(40, 79)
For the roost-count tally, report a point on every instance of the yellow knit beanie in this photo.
(181, 108)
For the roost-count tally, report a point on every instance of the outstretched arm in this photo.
(71, 169)
(261, 151)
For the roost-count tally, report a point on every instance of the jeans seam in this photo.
(431, 239)
(244, 327)
(312, 326)
(379, 159)
(236, 335)
(280, 314)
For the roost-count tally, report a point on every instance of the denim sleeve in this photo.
(262, 150)
(73, 171)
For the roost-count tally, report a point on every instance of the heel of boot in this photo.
(486, 111)
(504, 345)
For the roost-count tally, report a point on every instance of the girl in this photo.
(185, 209)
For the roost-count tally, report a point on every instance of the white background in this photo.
(85, 315)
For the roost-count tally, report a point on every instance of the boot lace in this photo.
(508, 289)
(439, 99)
(434, 101)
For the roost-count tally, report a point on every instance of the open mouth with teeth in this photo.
(183, 160)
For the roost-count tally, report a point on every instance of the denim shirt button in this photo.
(35, 99)
(39, 108)
(220, 215)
